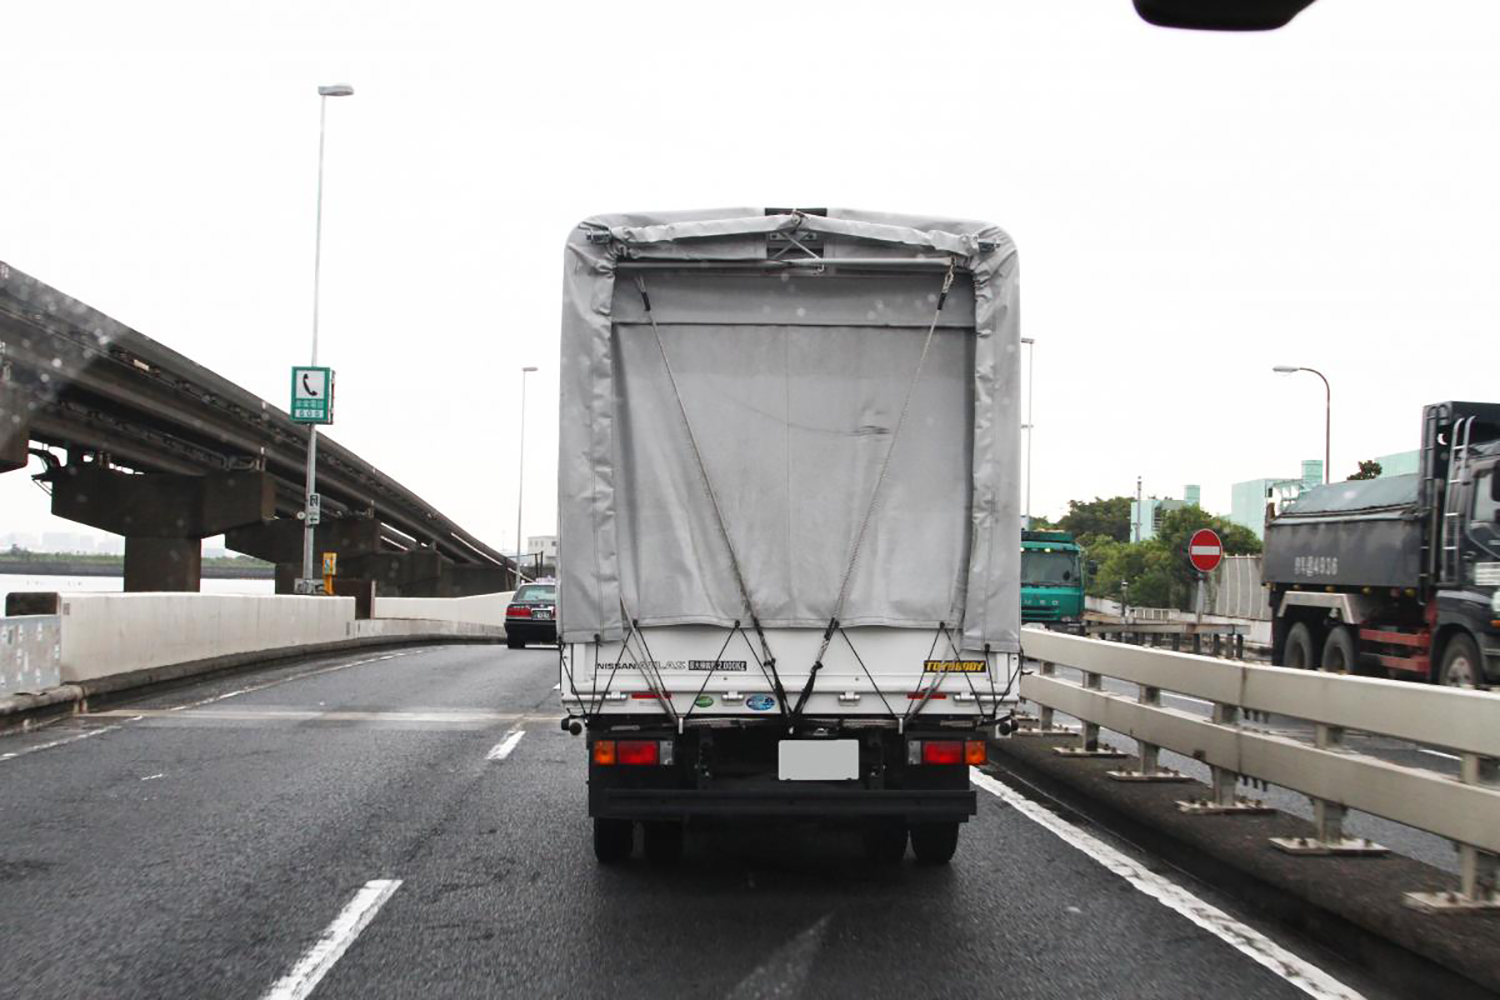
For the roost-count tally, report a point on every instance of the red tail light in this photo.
(637, 752)
(942, 752)
(645, 695)
(518, 611)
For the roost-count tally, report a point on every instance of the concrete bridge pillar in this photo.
(164, 517)
(15, 424)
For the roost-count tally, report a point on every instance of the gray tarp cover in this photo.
(792, 385)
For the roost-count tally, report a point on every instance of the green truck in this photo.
(1052, 579)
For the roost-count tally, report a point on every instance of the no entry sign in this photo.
(1205, 550)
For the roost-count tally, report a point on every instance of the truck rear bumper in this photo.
(791, 801)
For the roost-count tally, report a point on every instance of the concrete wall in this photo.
(104, 634)
(481, 609)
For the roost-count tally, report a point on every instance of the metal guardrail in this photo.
(30, 654)
(1465, 810)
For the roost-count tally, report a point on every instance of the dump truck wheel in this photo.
(1339, 654)
(613, 840)
(1298, 652)
(934, 843)
(1461, 664)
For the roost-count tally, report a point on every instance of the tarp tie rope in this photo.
(864, 524)
(767, 660)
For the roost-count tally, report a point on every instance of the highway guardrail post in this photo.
(1328, 817)
(1478, 871)
(1149, 766)
(1044, 724)
(1088, 735)
(1223, 782)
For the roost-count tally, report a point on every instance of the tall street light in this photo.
(521, 475)
(324, 93)
(1030, 370)
(1327, 413)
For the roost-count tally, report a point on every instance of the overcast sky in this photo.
(1190, 208)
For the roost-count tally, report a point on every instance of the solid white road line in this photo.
(336, 939)
(502, 750)
(1305, 976)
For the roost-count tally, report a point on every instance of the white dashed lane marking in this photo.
(336, 939)
(502, 750)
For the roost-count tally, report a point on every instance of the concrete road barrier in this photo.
(114, 642)
(481, 609)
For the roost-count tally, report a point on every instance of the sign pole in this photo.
(1200, 598)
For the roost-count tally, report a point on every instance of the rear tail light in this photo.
(610, 752)
(518, 611)
(942, 752)
(946, 752)
(636, 752)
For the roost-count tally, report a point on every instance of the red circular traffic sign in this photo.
(1205, 550)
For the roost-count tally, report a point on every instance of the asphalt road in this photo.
(378, 822)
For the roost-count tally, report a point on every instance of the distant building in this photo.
(1399, 464)
(546, 545)
(1147, 513)
(1248, 500)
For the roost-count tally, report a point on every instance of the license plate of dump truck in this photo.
(817, 760)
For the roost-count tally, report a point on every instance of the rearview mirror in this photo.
(1216, 15)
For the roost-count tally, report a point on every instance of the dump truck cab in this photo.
(1052, 578)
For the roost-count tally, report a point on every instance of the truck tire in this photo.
(1339, 653)
(1298, 651)
(663, 842)
(934, 843)
(885, 841)
(613, 840)
(1461, 664)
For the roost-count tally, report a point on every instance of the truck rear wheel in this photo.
(663, 842)
(1461, 664)
(1339, 654)
(934, 843)
(1298, 652)
(613, 840)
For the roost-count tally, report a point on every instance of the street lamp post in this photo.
(1327, 414)
(1030, 371)
(521, 475)
(324, 93)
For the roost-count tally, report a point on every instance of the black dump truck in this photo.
(1398, 576)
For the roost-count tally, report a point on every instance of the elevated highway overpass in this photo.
(142, 441)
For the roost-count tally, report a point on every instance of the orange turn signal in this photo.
(604, 751)
(974, 752)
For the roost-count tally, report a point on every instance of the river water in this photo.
(115, 584)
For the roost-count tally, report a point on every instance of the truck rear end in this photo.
(789, 530)
(1397, 575)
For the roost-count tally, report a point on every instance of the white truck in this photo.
(789, 535)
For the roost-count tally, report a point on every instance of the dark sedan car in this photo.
(531, 616)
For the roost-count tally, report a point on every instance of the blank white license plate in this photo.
(817, 760)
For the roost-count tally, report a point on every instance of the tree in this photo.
(1368, 469)
(1110, 518)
